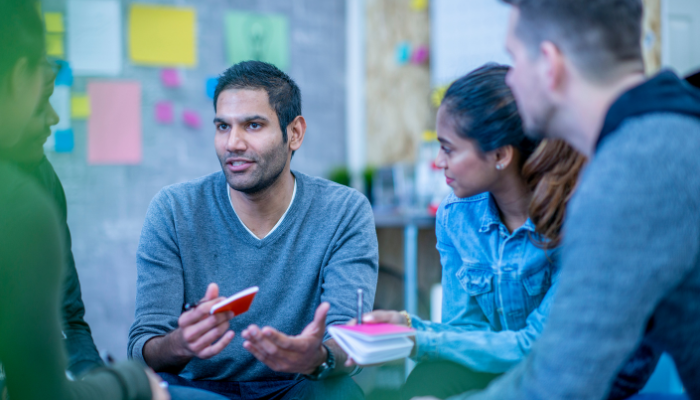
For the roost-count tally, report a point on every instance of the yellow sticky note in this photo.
(80, 106)
(437, 95)
(54, 44)
(54, 22)
(419, 5)
(162, 35)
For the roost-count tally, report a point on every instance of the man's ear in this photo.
(552, 67)
(295, 133)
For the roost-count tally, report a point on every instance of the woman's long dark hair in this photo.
(483, 109)
(551, 173)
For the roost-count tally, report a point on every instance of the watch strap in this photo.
(326, 368)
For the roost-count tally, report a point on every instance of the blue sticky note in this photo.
(211, 86)
(403, 53)
(65, 73)
(64, 142)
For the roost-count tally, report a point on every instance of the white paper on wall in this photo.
(95, 37)
(466, 34)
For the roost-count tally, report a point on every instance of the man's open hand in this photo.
(198, 330)
(292, 354)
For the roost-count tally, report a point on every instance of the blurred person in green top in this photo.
(28, 156)
(31, 244)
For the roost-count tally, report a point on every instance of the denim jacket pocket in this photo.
(538, 283)
(475, 281)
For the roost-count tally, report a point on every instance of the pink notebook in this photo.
(379, 329)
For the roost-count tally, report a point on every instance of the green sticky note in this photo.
(254, 36)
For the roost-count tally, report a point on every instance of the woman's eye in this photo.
(445, 149)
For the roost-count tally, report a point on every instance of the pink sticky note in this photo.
(114, 127)
(420, 55)
(191, 118)
(164, 112)
(170, 77)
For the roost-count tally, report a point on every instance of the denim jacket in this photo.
(496, 288)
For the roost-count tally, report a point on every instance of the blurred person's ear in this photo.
(19, 97)
(552, 68)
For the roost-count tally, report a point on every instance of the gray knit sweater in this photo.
(324, 250)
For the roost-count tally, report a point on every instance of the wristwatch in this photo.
(325, 369)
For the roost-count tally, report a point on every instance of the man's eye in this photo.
(254, 125)
(222, 127)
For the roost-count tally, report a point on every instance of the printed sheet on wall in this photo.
(466, 35)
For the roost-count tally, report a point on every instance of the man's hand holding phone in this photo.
(198, 330)
(199, 334)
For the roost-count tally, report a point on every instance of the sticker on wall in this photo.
(114, 127)
(191, 119)
(420, 55)
(419, 5)
(54, 45)
(80, 106)
(403, 53)
(95, 37)
(162, 35)
(64, 77)
(255, 36)
(164, 112)
(437, 95)
(64, 141)
(54, 22)
(211, 86)
(170, 77)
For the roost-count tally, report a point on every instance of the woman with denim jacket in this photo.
(497, 236)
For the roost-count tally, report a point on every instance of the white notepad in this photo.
(373, 343)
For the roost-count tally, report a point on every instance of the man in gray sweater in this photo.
(631, 255)
(307, 243)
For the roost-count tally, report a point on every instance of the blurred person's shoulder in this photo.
(657, 142)
(16, 187)
(24, 205)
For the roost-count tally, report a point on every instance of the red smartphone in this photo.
(238, 303)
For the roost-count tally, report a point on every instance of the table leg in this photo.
(410, 262)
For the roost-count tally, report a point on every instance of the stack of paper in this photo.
(373, 343)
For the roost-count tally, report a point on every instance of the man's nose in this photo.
(236, 141)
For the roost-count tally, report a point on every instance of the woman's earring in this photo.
(499, 167)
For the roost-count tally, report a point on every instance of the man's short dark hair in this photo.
(283, 93)
(21, 35)
(598, 35)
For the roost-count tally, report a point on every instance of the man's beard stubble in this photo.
(268, 169)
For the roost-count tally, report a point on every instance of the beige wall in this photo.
(398, 97)
(652, 35)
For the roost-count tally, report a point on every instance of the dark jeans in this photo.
(443, 379)
(340, 388)
(188, 393)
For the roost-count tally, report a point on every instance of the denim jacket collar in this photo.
(491, 217)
